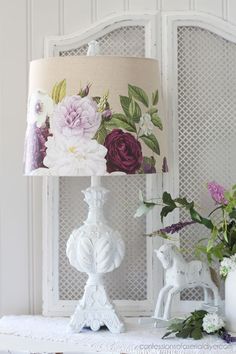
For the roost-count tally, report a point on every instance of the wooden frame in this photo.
(170, 23)
(53, 45)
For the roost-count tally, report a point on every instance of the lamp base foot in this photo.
(95, 310)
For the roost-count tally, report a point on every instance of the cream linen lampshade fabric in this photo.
(94, 116)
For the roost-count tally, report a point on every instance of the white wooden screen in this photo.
(201, 72)
(199, 76)
(22, 38)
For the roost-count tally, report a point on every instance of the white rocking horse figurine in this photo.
(180, 275)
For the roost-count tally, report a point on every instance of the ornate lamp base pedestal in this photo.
(95, 309)
(95, 248)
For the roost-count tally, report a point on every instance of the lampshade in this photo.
(94, 116)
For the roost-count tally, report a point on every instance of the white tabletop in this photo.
(37, 334)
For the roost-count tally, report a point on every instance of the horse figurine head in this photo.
(165, 254)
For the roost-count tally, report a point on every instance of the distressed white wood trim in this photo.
(1, 202)
(225, 9)
(34, 204)
(30, 182)
(94, 11)
(191, 5)
(29, 32)
(126, 5)
(132, 309)
(209, 22)
(171, 22)
(55, 44)
(61, 16)
(50, 243)
(30, 246)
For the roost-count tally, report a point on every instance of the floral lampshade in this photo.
(94, 116)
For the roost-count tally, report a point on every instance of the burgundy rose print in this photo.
(124, 152)
(83, 120)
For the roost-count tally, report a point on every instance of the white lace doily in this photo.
(138, 339)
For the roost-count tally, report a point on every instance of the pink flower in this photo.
(77, 116)
(217, 192)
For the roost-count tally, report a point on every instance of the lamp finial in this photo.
(93, 48)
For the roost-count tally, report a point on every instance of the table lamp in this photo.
(94, 116)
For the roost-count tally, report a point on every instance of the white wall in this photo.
(23, 26)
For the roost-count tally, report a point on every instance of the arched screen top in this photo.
(125, 41)
(127, 34)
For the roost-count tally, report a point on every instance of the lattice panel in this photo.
(125, 41)
(129, 282)
(207, 122)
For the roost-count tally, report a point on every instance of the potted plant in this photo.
(221, 243)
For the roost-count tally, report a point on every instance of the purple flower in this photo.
(149, 165)
(165, 167)
(226, 336)
(217, 192)
(176, 227)
(107, 114)
(84, 91)
(124, 152)
(77, 116)
(35, 147)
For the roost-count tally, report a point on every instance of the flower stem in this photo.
(219, 207)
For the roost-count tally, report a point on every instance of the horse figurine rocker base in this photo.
(181, 275)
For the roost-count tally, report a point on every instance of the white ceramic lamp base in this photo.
(95, 248)
(95, 309)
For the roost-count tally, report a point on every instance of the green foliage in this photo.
(135, 111)
(225, 231)
(230, 196)
(130, 117)
(97, 99)
(199, 219)
(125, 102)
(190, 327)
(155, 97)
(172, 204)
(59, 91)
(120, 121)
(101, 134)
(163, 235)
(144, 209)
(156, 120)
(149, 160)
(151, 142)
(232, 214)
(222, 240)
(216, 251)
(167, 199)
(138, 94)
(152, 110)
